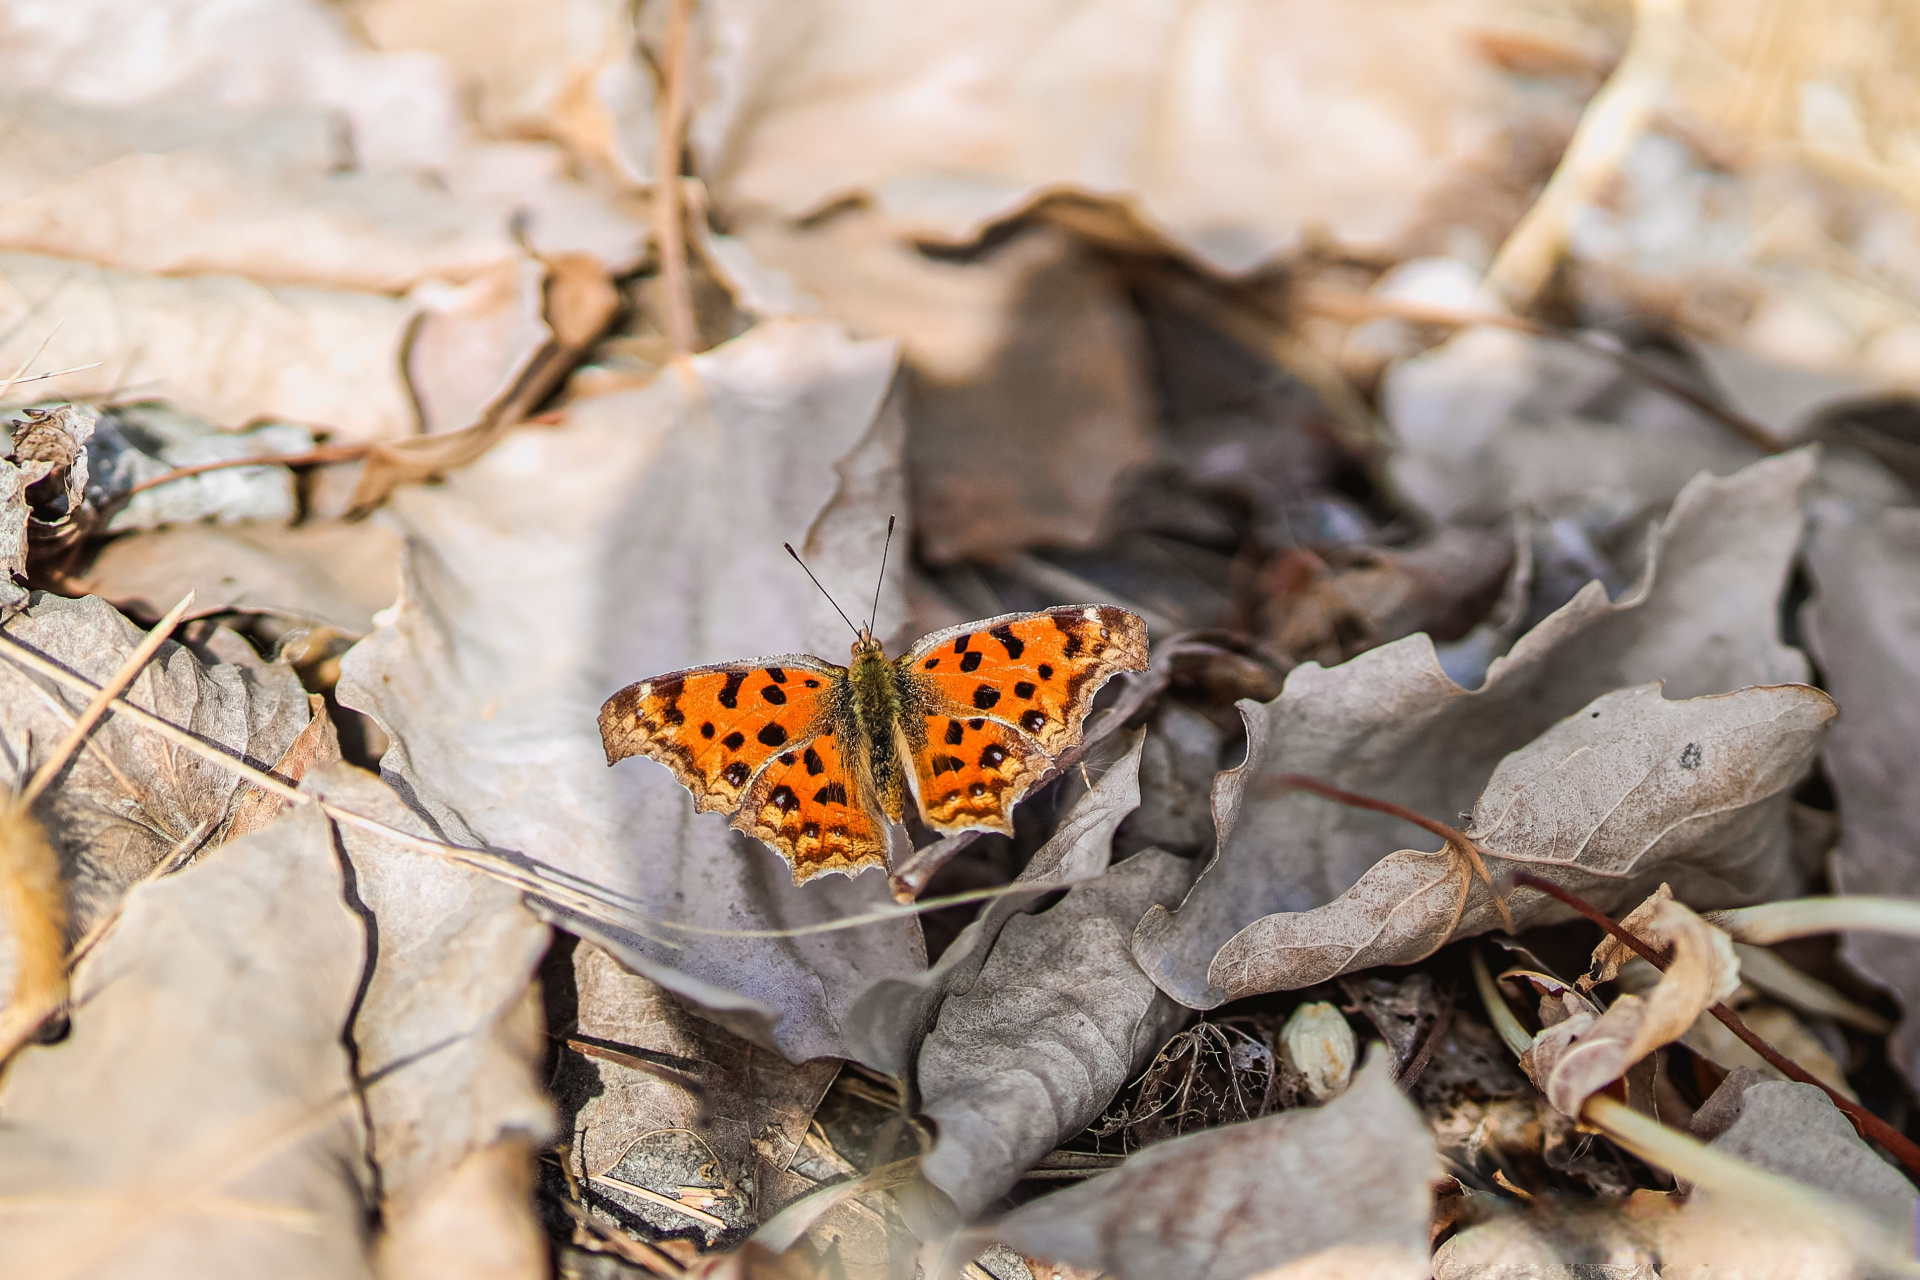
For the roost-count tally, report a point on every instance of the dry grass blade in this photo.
(1773, 922)
(313, 457)
(103, 698)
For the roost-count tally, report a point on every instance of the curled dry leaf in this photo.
(127, 801)
(1863, 624)
(635, 517)
(1390, 723)
(1582, 1051)
(201, 1120)
(1238, 1200)
(1058, 1020)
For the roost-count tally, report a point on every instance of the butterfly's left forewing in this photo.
(1000, 699)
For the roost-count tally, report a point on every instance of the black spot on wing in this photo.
(730, 694)
(771, 735)
(1046, 672)
(985, 696)
(1023, 690)
(1034, 721)
(777, 674)
(810, 831)
(960, 645)
(931, 663)
(976, 725)
(812, 684)
(734, 741)
(832, 793)
(954, 733)
(1013, 644)
(812, 760)
(1068, 629)
(706, 730)
(735, 773)
(992, 756)
(784, 800)
(787, 757)
(673, 714)
(971, 662)
(775, 694)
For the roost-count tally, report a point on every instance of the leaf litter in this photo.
(1473, 473)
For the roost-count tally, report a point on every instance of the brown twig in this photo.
(1871, 1126)
(1456, 839)
(312, 457)
(669, 229)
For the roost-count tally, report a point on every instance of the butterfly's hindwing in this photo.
(972, 770)
(807, 804)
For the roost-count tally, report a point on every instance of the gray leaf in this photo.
(1230, 1202)
(1059, 1018)
(1390, 723)
(1863, 624)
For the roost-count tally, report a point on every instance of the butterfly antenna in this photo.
(823, 591)
(885, 547)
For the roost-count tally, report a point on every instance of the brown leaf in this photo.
(1226, 1203)
(127, 800)
(1390, 723)
(1035, 1048)
(736, 1136)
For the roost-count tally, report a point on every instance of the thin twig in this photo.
(669, 230)
(1870, 1125)
(312, 457)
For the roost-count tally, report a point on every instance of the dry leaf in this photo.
(221, 347)
(1025, 402)
(733, 1133)
(1582, 1050)
(1035, 1048)
(128, 800)
(1235, 1201)
(891, 1019)
(446, 1030)
(330, 572)
(139, 442)
(1864, 626)
(1390, 723)
(1795, 1130)
(201, 1120)
(1239, 132)
(651, 521)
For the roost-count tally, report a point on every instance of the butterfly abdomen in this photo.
(876, 715)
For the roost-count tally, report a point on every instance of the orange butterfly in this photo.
(810, 757)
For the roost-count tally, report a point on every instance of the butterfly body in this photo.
(814, 758)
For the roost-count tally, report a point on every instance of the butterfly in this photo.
(814, 758)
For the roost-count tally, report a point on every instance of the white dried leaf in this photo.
(651, 522)
(202, 1119)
